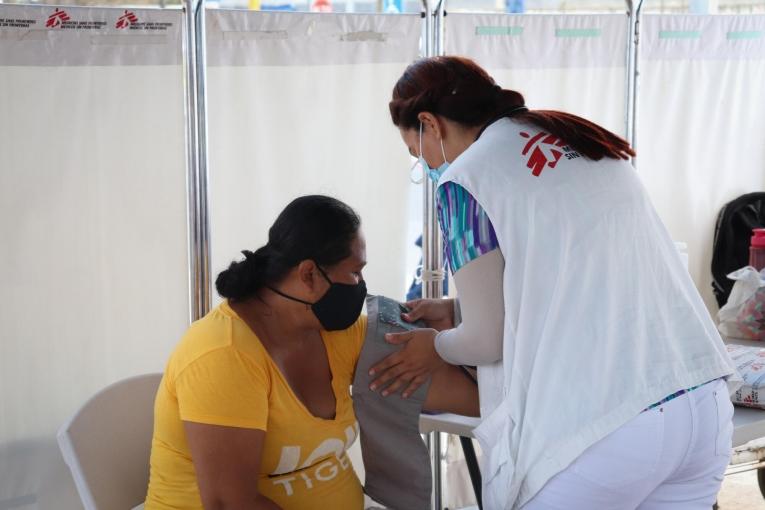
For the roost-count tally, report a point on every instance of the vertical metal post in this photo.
(633, 72)
(438, 28)
(427, 29)
(432, 259)
(196, 160)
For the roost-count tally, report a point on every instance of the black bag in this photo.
(733, 233)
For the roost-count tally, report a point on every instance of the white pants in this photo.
(673, 456)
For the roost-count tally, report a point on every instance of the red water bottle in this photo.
(757, 249)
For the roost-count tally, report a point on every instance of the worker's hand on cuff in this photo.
(437, 313)
(410, 367)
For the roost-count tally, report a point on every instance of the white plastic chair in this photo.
(107, 444)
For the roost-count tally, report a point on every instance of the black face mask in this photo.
(340, 307)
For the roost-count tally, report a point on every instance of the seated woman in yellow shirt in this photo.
(254, 409)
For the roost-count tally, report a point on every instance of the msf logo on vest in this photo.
(311, 472)
(57, 19)
(544, 150)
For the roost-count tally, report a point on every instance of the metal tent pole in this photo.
(196, 160)
(633, 72)
(432, 260)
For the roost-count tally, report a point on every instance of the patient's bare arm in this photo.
(453, 391)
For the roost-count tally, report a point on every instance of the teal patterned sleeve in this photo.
(466, 228)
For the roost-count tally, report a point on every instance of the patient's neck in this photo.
(277, 321)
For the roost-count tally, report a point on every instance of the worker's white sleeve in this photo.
(478, 338)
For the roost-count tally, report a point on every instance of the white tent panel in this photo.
(93, 262)
(298, 104)
(701, 123)
(574, 63)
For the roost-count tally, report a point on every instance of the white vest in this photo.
(601, 317)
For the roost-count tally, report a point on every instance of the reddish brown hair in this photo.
(462, 91)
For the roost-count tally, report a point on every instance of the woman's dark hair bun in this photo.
(236, 281)
(313, 227)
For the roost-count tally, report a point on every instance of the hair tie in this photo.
(521, 108)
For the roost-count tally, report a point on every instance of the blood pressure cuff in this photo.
(396, 459)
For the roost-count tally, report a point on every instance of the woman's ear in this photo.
(431, 123)
(307, 273)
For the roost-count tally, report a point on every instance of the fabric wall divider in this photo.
(574, 63)
(298, 105)
(702, 123)
(93, 264)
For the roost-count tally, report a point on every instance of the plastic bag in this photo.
(743, 316)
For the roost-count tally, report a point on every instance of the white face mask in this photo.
(434, 173)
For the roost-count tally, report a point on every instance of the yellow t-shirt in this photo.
(221, 374)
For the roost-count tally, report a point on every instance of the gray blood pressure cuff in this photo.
(396, 460)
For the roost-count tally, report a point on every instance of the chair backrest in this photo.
(107, 444)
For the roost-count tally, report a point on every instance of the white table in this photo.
(748, 424)
(449, 423)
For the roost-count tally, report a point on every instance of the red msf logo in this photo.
(56, 19)
(543, 150)
(126, 20)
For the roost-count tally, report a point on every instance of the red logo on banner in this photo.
(545, 150)
(126, 20)
(322, 6)
(56, 19)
